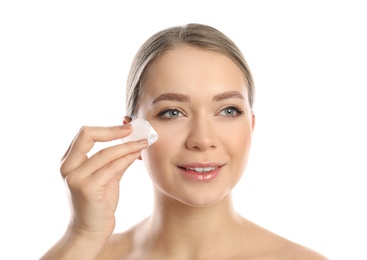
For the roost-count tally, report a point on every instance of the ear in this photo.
(128, 120)
(253, 121)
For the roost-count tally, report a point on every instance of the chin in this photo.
(201, 200)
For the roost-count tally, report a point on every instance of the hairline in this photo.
(174, 38)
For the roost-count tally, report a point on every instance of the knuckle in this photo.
(72, 182)
(101, 156)
(72, 157)
(75, 183)
(113, 131)
(84, 131)
(79, 186)
(132, 146)
(63, 170)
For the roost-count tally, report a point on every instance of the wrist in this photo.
(101, 232)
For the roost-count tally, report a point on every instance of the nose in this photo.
(201, 136)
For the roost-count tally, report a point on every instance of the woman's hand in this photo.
(93, 183)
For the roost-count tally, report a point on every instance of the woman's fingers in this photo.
(84, 142)
(109, 155)
(115, 169)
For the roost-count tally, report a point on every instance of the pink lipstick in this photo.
(200, 172)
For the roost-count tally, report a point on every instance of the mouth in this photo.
(200, 173)
(200, 169)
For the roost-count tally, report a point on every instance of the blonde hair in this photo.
(198, 35)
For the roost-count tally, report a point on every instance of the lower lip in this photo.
(200, 177)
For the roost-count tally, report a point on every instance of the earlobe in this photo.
(127, 120)
(253, 121)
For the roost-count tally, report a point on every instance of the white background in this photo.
(63, 64)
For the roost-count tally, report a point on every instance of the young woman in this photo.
(192, 84)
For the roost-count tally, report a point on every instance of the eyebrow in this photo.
(228, 95)
(184, 98)
(172, 97)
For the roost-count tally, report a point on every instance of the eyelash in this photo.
(161, 114)
(237, 111)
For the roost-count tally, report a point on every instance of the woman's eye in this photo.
(231, 111)
(170, 113)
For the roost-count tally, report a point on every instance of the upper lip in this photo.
(200, 165)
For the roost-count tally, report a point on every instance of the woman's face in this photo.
(197, 102)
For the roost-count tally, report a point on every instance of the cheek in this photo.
(170, 137)
(158, 156)
(152, 160)
(167, 137)
(241, 140)
(236, 134)
(237, 141)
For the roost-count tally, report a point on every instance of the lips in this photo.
(202, 169)
(201, 172)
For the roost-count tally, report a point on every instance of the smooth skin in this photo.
(197, 102)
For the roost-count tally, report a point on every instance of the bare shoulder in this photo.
(118, 247)
(291, 250)
(273, 246)
(122, 245)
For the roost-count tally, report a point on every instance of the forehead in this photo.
(192, 70)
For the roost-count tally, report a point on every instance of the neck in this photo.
(182, 227)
